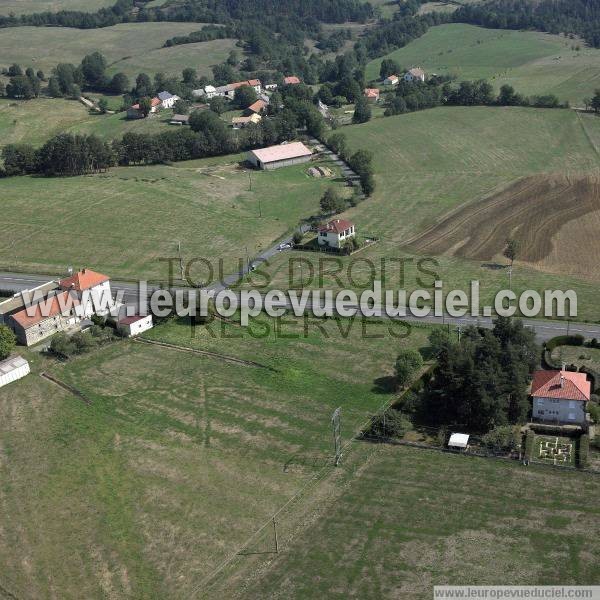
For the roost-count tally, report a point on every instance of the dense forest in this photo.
(577, 17)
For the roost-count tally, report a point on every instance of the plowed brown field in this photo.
(556, 220)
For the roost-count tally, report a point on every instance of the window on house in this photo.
(572, 404)
(571, 416)
(540, 402)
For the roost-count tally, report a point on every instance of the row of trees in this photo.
(415, 96)
(361, 162)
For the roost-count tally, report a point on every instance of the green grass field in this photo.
(178, 459)
(124, 221)
(412, 519)
(532, 62)
(429, 162)
(23, 7)
(128, 47)
(34, 121)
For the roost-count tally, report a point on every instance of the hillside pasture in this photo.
(128, 47)
(412, 519)
(532, 62)
(125, 221)
(24, 7)
(177, 459)
(35, 121)
(430, 162)
(553, 218)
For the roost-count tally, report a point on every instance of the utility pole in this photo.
(510, 277)
(250, 180)
(247, 259)
(259, 208)
(459, 327)
(180, 259)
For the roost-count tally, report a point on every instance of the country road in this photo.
(544, 329)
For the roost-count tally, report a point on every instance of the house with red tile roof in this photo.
(336, 233)
(257, 107)
(391, 80)
(371, 94)
(55, 313)
(560, 396)
(291, 80)
(134, 112)
(92, 290)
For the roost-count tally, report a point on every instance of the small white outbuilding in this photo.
(459, 440)
(13, 368)
(134, 325)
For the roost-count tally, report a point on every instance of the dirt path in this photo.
(231, 359)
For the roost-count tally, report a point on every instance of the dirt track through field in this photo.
(554, 218)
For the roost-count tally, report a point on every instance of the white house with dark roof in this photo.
(336, 233)
(167, 100)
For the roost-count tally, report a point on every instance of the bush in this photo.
(7, 342)
(502, 438)
(62, 346)
(565, 340)
(529, 443)
(583, 454)
(391, 424)
(594, 411)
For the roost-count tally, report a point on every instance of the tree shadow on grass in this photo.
(384, 385)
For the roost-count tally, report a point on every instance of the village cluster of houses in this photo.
(65, 305)
(252, 114)
(373, 94)
(162, 100)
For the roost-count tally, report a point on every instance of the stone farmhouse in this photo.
(391, 80)
(36, 314)
(560, 397)
(415, 74)
(55, 313)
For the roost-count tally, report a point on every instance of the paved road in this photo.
(544, 329)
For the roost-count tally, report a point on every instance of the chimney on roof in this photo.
(562, 381)
(83, 270)
(564, 366)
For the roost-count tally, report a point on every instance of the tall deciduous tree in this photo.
(7, 342)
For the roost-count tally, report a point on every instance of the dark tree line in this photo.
(576, 17)
(410, 97)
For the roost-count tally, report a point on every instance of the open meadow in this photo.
(128, 47)
(171, 460)
(430, 163)
(532, 62)
(24, 7)
(35, 121)
(125, 221)
(412, 519)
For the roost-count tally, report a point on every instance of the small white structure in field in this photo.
(134, 325)
(13, 368)
(459, 440)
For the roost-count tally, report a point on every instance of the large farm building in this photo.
(283, 155)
